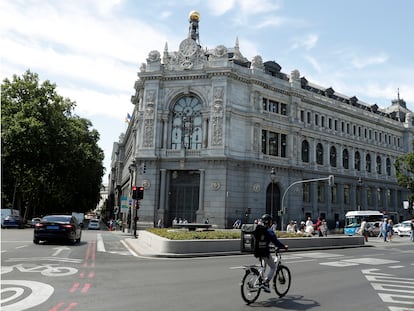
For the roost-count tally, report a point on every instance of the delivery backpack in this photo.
(261, 241)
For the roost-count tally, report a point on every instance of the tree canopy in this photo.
(51, 161)
(405, 173)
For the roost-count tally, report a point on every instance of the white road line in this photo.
(100, 246)
(129, 249)
(72, 260)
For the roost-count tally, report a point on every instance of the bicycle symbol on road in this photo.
(22, 294)
(45, 269)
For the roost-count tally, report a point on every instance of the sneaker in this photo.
(265, 287)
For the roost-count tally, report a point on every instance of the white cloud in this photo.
(94, 103)
(220, 7)
(362, 62)
(314, 63)
(307, 42)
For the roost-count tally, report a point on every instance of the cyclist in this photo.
(264, 235)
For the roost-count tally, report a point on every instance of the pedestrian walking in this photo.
(363, 230)
(383, 228)
(324, 228)
(390, 230)
(412, 230)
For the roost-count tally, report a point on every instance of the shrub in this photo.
(184, 234)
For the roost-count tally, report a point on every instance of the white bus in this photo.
(353, 220)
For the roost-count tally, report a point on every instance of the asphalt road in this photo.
(102, 274)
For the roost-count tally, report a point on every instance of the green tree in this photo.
(51, 162)
(405, 174)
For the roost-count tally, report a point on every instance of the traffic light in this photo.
(331, 180)
(134, 192)
(140, 194)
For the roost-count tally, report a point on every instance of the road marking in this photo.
(358, 261)
(85, 288)
(100, 244)
(319, 255)
(339, 264)
(38, 293)
(392, 289)
(129, 248)
(23, 246)
(72, 260)
(59, 250)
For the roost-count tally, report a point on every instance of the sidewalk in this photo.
(396, 240)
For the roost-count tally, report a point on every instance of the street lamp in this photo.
(273, 179)
(359, 197)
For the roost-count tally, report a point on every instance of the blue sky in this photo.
(92, 49)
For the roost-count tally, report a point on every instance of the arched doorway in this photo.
(273, 202)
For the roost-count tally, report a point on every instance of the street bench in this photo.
(193, 226)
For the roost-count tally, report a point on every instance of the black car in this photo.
(57, 227)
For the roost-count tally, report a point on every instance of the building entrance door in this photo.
(184, 194)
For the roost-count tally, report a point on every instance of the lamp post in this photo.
(359, 193)
(272, 178)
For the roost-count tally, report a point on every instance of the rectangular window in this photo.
(309, 117)
(369, 196)
(273, 106)
(302, 116)
(380, 203)
(346, 195)
(336, 125)
(283, 109)
(316, 119)
(273, 144)
(264, 142)
(330, 123)
(334, 190)
(323, 121)
(283, 145)
(264, 104)
(389, 197)
(321, 192)
(306, 193)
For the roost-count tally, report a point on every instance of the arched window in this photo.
(319, 154)
(305, 151)
(379, 167)
(357, 161)
(345, 159)
(388, 167)
(368, 163)
(187, 123)
(332, 156)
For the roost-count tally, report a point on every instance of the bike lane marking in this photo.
(89, 263)
(40, 293)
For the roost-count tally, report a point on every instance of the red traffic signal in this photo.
(140, 194)
(137, 193)
(134, 192)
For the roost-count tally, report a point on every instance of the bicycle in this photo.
(254, 276)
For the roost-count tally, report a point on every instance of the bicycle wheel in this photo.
(281, 281)
(250, 286)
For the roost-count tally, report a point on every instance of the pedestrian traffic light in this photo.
(134, 192)
(140, 193)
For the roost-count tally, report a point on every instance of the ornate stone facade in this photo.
(208, 126)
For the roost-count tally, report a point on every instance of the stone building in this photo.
(216, 136)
